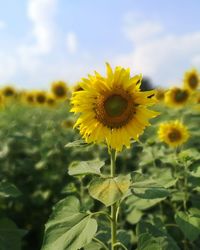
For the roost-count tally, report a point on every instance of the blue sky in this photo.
(45, 40)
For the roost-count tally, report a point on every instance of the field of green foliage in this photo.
(45, 164)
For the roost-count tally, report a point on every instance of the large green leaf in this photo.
(10, 235)
(189, 224)
(109, 190)
(67, 228)
(141, 204)
(85, 167)
(147, 188)
(8, 190)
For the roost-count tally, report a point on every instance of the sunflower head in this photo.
(9, 91)
(40, 97)
(160, 94)
(29, 97)
(50, 100)
(177, 97)
(112, 109)
(191, 79)
(2, 100)
(59, 89)
(68, 123)
(173, 133)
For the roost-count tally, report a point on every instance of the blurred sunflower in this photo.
(69, 123)
(40, 97)
(59, 89)
(29, 97)
(177, 97)
(173, 133)
(50, 100)
(160, 94)
(9, 91)
(2, 100)
(112, 108)
(191, 79)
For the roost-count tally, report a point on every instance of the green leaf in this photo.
(141, 204)
(8, 190)
(134, 216)
(67, 228)
(147, 188)
(93, 245)
(109, 190)
(152, 237)
(10, 235)
(77, 143)
(85, 167)
(189, 225)
(124, 236)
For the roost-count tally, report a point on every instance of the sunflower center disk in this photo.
(181, 95)
(174, 135)
(115, 105)
(115, 110)
(193, 81)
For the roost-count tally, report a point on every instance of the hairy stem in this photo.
(114, 206)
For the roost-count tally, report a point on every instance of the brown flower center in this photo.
(41, 98)
(193, 81)
(59, 91)
(181, 95)
(8, 92)
(174, 135)
(115, 109)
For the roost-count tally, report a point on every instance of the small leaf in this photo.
(189, 224)
(77, 143)
(67, 228)
(8, 190)
(134, 216)
(10, 235)
(85, 167)
(109, 190)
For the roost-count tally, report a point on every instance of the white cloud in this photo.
(41, 13)
(160, 55)
(2, 25)
(71, 42)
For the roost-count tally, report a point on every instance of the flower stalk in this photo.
(114, 206)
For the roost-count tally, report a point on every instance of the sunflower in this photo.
(2, 100)
(69, 123)
(59, 89)
(191, 79)
(177, 97)
(9, 91)
(40, 97)
(160, 94)
(112, 108)
(29, 97)
(173, 133)
(50, 100)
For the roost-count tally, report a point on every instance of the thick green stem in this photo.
(114, 206)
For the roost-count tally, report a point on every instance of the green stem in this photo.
(101, 243)
(185, 188)
(114, 206)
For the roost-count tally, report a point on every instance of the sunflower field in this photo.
(102, 165)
